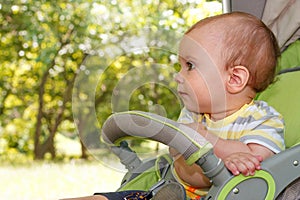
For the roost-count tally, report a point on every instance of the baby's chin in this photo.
(199, 110)
(193, 109)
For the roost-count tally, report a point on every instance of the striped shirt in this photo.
(255, 122)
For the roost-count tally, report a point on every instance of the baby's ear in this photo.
(238, 77)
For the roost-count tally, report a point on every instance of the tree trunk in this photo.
(48, 145)
(84, 154)
(38, 129)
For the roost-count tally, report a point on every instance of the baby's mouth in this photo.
(181, 93)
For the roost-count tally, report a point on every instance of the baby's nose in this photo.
(178, 78)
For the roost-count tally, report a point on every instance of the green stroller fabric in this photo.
(284, 93)
(149, 177)
(290, 58)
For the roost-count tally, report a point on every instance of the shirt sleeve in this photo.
(267, 131)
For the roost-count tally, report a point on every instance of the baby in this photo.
(225, 60)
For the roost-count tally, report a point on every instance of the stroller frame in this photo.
(276, 173)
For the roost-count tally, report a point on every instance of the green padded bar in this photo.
(185, 140)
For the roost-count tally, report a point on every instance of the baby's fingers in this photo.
(238, 166)
(232, 167)
(253, 162)
(247, 166)
(243, 163)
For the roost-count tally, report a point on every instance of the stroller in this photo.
(279, 177)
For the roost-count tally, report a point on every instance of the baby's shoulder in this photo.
(263, 107)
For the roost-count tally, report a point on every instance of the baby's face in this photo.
(200, 80)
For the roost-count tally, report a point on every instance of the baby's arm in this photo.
(237, 156)
(191, 174)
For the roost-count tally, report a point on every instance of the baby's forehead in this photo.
(201, 54)
(199, 40)
(189, 46)
(216, 28)
(202, 47)
(210, 31)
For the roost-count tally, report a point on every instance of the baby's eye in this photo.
(190, 65)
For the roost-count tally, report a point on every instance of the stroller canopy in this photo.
(281, 16)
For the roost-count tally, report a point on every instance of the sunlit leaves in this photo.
(128, 44)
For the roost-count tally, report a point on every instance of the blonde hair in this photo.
(247, 41)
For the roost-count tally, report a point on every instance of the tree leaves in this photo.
(75, 62)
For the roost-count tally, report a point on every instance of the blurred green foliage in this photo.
(65, 66)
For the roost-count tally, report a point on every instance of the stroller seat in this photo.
(279, 177)
(284, 94)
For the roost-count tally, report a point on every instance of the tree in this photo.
(69, 61)
(136, 62)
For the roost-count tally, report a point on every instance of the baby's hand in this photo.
(244, 163)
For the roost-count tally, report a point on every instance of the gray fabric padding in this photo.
(254, 7)
(292, 192)
(170, 191)
(281, 16)
(185, 140)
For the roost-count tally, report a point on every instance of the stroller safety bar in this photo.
(185, 140)
(188, 142)
(276, 173)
